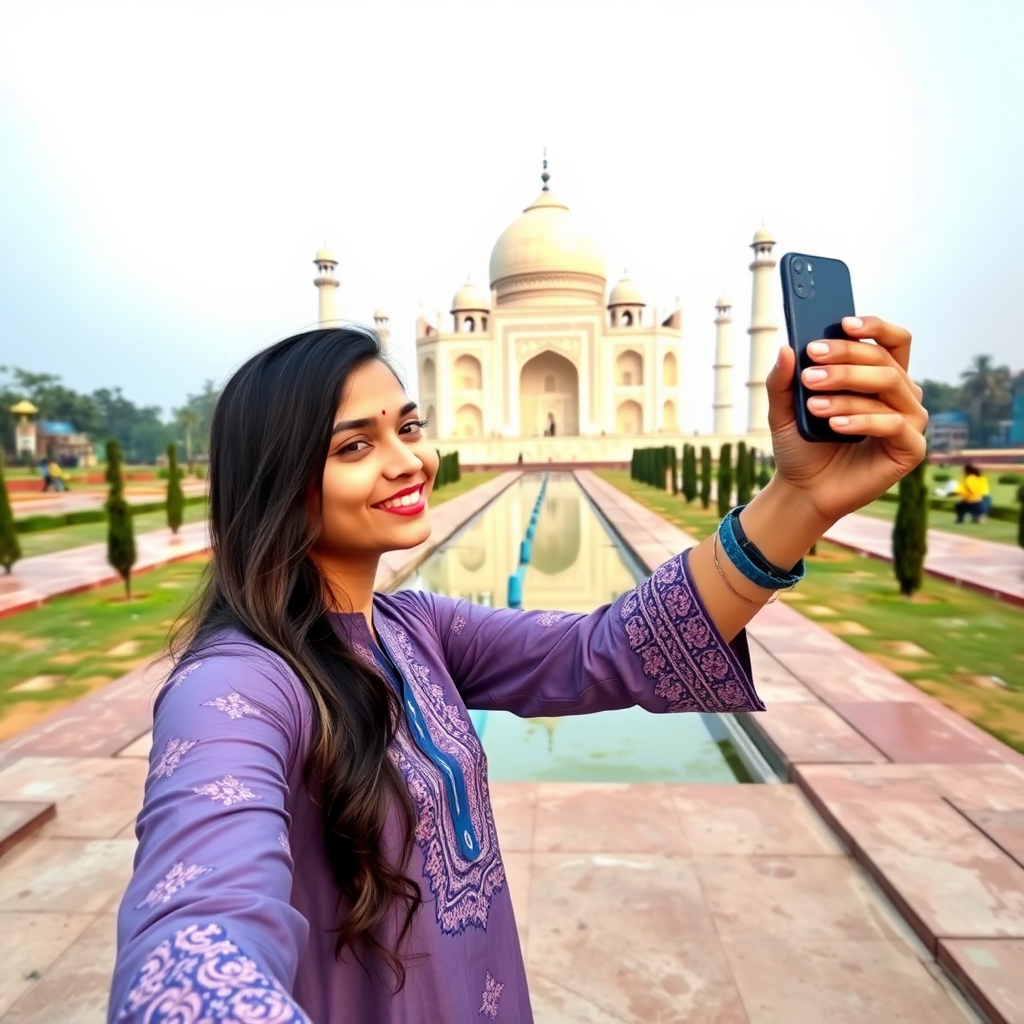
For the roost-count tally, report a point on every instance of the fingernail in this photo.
(818, 403)
(840, 421)
(778, 357)
(815, 373)
(854, 323)
(818, 348)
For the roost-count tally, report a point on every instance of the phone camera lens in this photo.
(800, 289)
(798, 266)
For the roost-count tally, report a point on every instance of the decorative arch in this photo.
(469, 421)
(467, 374)
(629, 418)
(669, 371)
(629, 369)
(428, 377)
(431, 418)
(668, 416)
(542, 406)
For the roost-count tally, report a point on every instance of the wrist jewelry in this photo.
(725, 579)
(748, 559)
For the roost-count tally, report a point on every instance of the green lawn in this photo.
(959, 646)
(467, 483)
(992, 529)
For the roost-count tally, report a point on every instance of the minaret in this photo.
(761, 331)
(723, 369)
(380, 325)
(327, 285)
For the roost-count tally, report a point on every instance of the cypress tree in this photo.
(725, 479)
(175, 494)
(744, 474)
(456, 467)
(766, 474)
(910, 531)
(689, 473)
(1020, 516)
(673, 465)
(120, 531)
(10, 549)
(705, 476)
(632, 466)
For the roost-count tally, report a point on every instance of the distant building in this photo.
(947, 431)
(1017, 423)
(61, 441)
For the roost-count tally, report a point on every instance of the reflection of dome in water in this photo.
(556, 544)
(472, 548)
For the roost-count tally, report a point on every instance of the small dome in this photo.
(763, 237)
(470, 297)
(324, 255)
(380, 314)
(24, 408)
(723, 303)
(626, 293)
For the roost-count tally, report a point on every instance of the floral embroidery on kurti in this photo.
(174, 750)
(283, 842)
(181, 676)
(547, 619)
(490, 997)
(174, 881)
(668, 630)
(458, 624)
(234, 705)
(227, 791)
(199, 977)
(463, 888)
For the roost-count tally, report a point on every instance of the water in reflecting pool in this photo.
(576, 565)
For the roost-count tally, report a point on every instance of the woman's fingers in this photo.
(895, 340)
(892, 429)
(889, 383)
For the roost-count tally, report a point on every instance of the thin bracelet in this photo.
(725, 580)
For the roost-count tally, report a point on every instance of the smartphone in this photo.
(816, 294)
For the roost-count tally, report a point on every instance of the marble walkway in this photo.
(889, 862)
(953, 554)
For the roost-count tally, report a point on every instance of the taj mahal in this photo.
(549, 365)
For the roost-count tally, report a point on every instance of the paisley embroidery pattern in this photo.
(174, 881)
(174, 750)
(199, 977)
(463, 889)
(227, 791)
(491, 995)
(669, 631)
(234, 705)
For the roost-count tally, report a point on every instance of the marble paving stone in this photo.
(75, 989)
(915, 733)
(66, 875)
(813, 733)
(140, 748)
(742, 820)
(95, 797)
(29, 944)
(991, 972)
(686, 982)
(1004, 828)
(944, 876)
(21, 818)
(607, 817)
(515, 813)
(81, 731)
(843, 678)
(873, 782)
(517, 877)
(774, 683)
(994, 787)
(791, 981)
(799, 898)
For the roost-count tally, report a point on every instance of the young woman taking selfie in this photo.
(316, 842)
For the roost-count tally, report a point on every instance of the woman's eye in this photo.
(351, 448)
(413, 427)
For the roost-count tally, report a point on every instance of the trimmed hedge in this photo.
(1002, 512)
(1011, 478)
(36, 524)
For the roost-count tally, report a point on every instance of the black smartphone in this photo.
(816, 294)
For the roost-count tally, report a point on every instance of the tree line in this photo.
(142, 431)
(985, 396)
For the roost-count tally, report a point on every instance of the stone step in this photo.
(21, 818)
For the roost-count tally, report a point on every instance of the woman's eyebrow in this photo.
(369, 421)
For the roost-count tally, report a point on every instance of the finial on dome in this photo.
(544, 176)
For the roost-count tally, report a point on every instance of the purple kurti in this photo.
(230, 911)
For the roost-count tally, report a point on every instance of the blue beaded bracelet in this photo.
(753, 565)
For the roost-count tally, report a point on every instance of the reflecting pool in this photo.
(576, 565)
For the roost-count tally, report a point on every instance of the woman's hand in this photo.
(834, 479)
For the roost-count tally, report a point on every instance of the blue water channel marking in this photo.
(515, 581)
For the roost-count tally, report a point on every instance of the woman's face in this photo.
(379, 473)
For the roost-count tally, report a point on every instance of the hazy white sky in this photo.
(168, 170)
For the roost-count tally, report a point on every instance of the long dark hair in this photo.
(269, 441)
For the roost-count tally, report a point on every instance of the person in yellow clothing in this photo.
(56, 473)
(974, 495)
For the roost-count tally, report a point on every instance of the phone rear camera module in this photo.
(809, 267)
(801, 289)
(798, 266)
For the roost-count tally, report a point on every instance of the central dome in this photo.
(545, 241)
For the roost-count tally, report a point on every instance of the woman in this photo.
(316, 841)
(974, 495)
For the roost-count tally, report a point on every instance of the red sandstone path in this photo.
(983, 565)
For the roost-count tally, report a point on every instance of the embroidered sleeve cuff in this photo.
(199, 975)
(691, 666)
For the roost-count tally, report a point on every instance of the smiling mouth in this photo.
(407, 503)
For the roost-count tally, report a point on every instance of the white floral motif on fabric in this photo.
(284, 843)
(174, 750)
(667, 629)
(491, 995)
(181, 676)
(174, 881)
(463, 889)
(227, 791)
(200, 977)
(548, 619)
(458, 624)
(234, 705)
